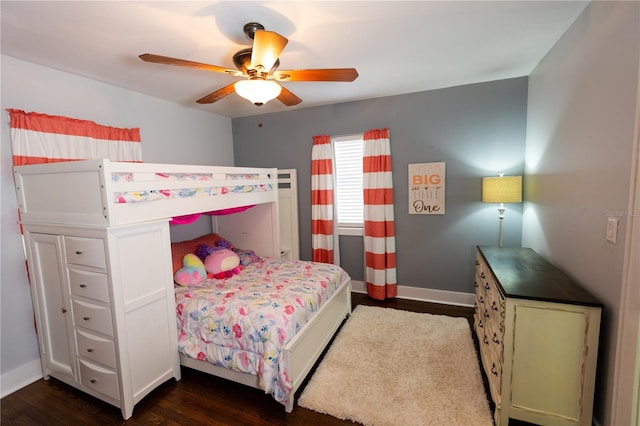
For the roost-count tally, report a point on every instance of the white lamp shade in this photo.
(503, 189)
(258, 92)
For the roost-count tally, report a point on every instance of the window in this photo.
(348, 182)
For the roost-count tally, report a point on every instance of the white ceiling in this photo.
(397, 47)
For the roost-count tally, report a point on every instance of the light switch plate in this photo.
(612, 230)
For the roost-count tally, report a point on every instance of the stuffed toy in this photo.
(222, 263)
(193, 271)
(204, 250)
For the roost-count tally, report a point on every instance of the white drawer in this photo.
(93, 285)
(85, 251)
(96, 348)
(93, 317)
(100, 379)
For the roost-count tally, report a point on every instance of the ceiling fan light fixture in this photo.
(258, 91)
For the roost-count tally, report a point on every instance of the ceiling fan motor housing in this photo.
(250, 29)
(242, 61)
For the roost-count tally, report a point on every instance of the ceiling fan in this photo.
(259, 66)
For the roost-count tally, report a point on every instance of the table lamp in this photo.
(502, 189)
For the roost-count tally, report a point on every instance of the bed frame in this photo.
(301, 352)
(82, 194)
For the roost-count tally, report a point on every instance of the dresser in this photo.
(104, 308)
(538, 334)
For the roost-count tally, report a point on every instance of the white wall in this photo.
(170, 134)
(580, 138)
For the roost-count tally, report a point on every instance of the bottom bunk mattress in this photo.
(244, 322)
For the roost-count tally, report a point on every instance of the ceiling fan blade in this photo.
(217, 95)
(288, 98)
(327, 74)
(166, 60)
(267, 47)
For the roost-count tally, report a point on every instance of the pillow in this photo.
(178, 250)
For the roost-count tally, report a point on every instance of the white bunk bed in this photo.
(100, 200)
(288, 207)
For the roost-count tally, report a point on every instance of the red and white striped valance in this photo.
(40, 138)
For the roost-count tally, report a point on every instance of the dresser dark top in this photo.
(523, 273)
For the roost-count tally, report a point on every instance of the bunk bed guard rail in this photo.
(106, 193)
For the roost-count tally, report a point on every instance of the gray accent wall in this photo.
(581, 133)
(477, 130)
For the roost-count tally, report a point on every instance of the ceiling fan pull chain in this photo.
(259, 114)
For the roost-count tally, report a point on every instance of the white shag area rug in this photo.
(393, 367)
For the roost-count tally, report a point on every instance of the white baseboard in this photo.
(425, 294)
(20, 377)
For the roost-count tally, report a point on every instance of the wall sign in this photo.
(426, 188)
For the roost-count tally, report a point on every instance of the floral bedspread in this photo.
(244, 322)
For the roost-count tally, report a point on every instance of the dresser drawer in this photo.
(496, 375)
(92, 317)
(482, 267)
(99, 379)
(478, 323)
(93, 285)
(493, 307)
(478, 284)
(85, 251)
(96, 348)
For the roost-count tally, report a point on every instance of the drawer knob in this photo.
(486, 286)
(78, 252)
(495, 338)
(482, 275)
(94, 380)
(486, 341)
(83, 286)
(64, 310)
(493, 306)
(477, 263)
(493, 369)
(90, 350)
(86, 318)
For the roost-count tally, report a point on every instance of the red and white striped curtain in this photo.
(40, 138)
(322, 238)
(379, 224)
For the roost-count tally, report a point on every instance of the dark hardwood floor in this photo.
(197, 399)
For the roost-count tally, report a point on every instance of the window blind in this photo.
(348, 177)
